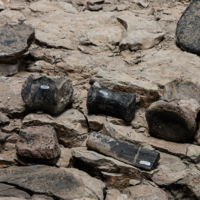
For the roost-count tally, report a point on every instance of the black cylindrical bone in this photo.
(100, 100)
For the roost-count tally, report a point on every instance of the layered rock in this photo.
(70, 126)
(66, 184)
(114, 173)
(141, 34)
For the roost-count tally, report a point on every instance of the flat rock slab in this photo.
(171, 122)
(14, 41)
(50, 94)
(54, 182)
(187, 31)
(38, 142)
(123, 151)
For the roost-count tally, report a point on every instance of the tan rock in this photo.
(12, 17)
(170, 170)
(70, 126)
(96, 122)
(116, 174)
(38, 142)
(8, 69)
(122, 82)
(64, 157)
(144, 192)
(10, 89)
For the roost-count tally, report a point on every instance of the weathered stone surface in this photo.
(128, 134)
(7, 157)
(51, 29)
(15, 41)
(41, 66)
(51, 41)
(4, 119)
(123, 151)
(187, 34)
(11, 101)
(186, 93)
(65, 157)
(66, 184)
(12, 17)
(70, 126)
(141, 33)
(50, 94)
(122, 82)
(38, 142)
(113, 172)
(8, 69)
(95, 122)
(170, 170)
(3, 137)
(13, 126)
(103, 101)
(9, 191)
(188, 186)
(144, 192)
(171, 122)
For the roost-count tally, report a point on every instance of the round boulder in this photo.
(171, 122)
(50, 94)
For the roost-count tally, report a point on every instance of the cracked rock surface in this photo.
(127, 46)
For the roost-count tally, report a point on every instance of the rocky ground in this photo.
(128, 46)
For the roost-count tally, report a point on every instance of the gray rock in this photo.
(8, 69)
(50, 94)
(15, 40)
(171, 122)
(67, 183)
(187, 31)
(39, 143)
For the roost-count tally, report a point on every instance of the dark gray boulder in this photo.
(188, 27)
(14, 41)
(49, 94)
(169, 121)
